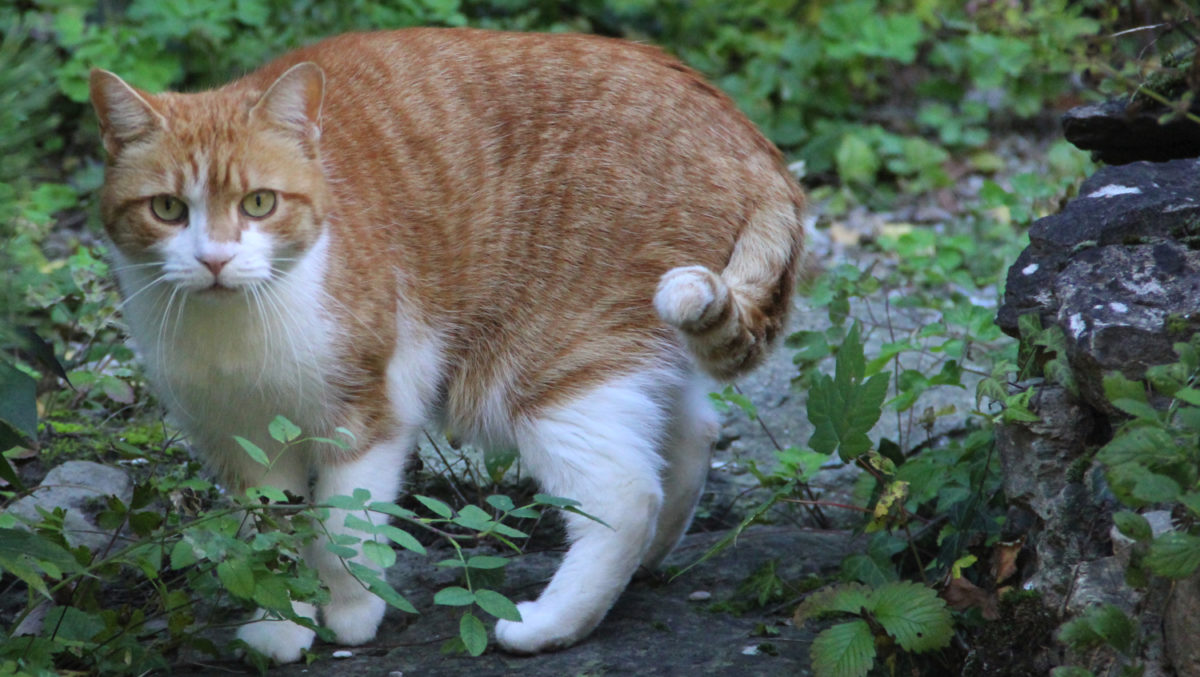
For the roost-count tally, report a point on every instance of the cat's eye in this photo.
(168, 208)
(258, 204)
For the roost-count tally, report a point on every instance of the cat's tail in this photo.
(730, 320)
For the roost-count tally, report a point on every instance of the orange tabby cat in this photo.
(531, 240)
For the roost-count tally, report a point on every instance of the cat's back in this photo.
(533, 189)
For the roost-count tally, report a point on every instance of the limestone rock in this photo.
(79, 487)
(1119, 133)
(1116, 270)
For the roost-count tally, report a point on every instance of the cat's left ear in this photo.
(293, 102)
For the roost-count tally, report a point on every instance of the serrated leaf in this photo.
(473, 634)
(271, 592)
(1137, 409)
(497, 605)
(283, 430)
(252, 450)
(844, 650)
(914, 615)
(1118, 630)
(236, 576)
(850, 598)
(1132, 445)
(454, 596)
(1174, 555)
(435, 506)
(1133, 526)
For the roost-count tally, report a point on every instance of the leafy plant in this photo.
(899, 614)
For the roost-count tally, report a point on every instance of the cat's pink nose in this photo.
(213, 263)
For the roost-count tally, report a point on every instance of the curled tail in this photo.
(730, 320)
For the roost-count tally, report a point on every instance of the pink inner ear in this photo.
(124, 113)
(294, 99)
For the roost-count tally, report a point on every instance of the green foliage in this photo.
(907, 614)
(187, 572)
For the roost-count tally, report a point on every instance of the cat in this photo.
(552, 242)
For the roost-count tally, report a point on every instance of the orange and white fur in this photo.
(544, 241)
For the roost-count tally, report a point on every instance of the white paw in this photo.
(354, 621)
(281, 641)
(538, 631)
(687, 295)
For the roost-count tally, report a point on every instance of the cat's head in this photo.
(215, 191)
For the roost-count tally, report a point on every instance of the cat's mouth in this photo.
(216, 290)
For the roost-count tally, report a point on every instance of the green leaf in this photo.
(497, 605)
(454, 596)
(474, 518)
(848, 598)
(381, 588)
(392, 509)
(435, 506)
(236, 576)
(379, 553)
(486, 562)
(1137, 409)
(1174, 555)
(271, 592)
(401, 538)
(252, 450)
(283, 430)
(501, 502)
(1118, 630)
(18, 408)
(73, 625)
(556, 501)
(1133, 526)
(1117, 387)
(844, 650)
(914, 615)
(182, 555)
(473, 634)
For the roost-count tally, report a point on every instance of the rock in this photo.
(1119, 133)
(78, 487)
(1116, 271)
(1047, 472)
(1180, 621)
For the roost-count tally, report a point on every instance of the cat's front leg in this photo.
(282, 641)
(354, 612)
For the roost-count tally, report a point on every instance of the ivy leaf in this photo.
(844, 650)
(914, 615)
(1174, 555)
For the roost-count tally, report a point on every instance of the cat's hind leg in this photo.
(687, 449)
(600, 449)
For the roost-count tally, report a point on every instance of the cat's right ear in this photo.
(124, 113)
(293, 102)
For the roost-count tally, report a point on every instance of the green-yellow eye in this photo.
(258, 204)
(168, 208)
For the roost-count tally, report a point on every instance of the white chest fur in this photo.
(226, 363)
